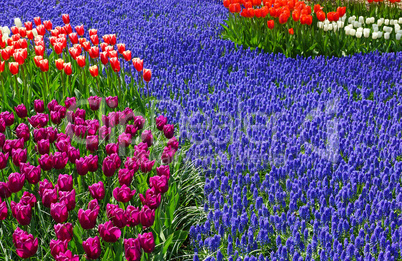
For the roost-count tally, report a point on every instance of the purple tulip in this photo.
(92, 143)
(123, 194)
(132, 164)
(55, 117)
(3, 160)
(112, 148)
(39, 106)
(168, 155)
(45, 184)
(128, 115)
(22, 132)
(118, 216)
(64, 231)
(60, 160)
(19, 156)
(51, 105)
(82, 166)
(92, 162)
(87, 218)
(160, 122)
(4, 190)
(70, 117)
(21, 111)
(2, 125)
(51, 134)
(147, 137)
(49, 196)
(112, 102)
(80, 113)
(28, 199)
(168, 130)
(92, 247)
(147, 242)
(3, 210)
(58, 246)
(39, 134)
(43, 147)
(94, 102)
(46, 162)
(131, 129)
(146, 166)
(152, 198)
(132, 249)
(97, 190)
(125, 176)
(147, 216)
(73, 154)
(139, 122)
(80, 131)
(65, 182)
(68, 199)
(2, 140)
(9, 145)
(26, 246)
(163, 171)
(31, 173)
(8, 117)
(71, 103)
(108, 232)
(109, 166)
(63, 145)
(142, 146)
(112, 119)
(61, 110)
(67, 256)
(124, 140)
(160, 183)
(22, 213)
(133, 215)
(59, 212)
(15, 182)
(104, 133)
(39, 120)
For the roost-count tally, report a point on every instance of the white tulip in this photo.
(326, 21)
(358, 34)
(351, 19)
(400, 20)
(368, 20)
(361, 19)
(380, 21)
(17, 22)
(374, 35)
(335, 27)
(6, 30)
(330, 27)
(325, 27)
(386, 36)
(360, 29)
(391, 22)
(320, 25)
(398, 32)
(375, 28)
(366, 32)
(386, 21)
(342, 24)
(372, 20)
(379, 34)
(339, 23)
(4, 38)
(398, 36)
(34, 32)
(397, 27)
(347, 30)
(352, 32)
(343, 18)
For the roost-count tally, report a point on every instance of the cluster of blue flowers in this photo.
(302, 157)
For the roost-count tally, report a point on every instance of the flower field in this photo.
(155, 138)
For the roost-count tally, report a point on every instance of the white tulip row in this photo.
(6, 31)
(355, 24)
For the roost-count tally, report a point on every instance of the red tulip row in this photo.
(61, 197)
(15, 50)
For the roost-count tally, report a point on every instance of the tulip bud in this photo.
(147, 242)
(93, 70)
(138, 64)
(147, 216)
(94, 102)
(21, 111)
(112, 102)
(13, 66)
(80, 30)
(66, 18)
(147, 75)
(44, 65)
(67, 68)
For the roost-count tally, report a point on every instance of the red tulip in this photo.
(80, 30)
(147, 75)
(138, 64)
(94, 52)
(44, 65)
(59, 64)
(66, 18)
(121, 48)
(127, 55)
(48, 25)
(2, 66)
(37, 21)
(13, 66)
(112, 40)
(291, 31)
(93, 70)
(67, 68)
(81, 61)
(115, 63)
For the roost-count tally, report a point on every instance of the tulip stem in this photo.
(147, 89)
(16, 88)
(3, 92)
(61, 83)
(97, 84)
(44, 84)
(25, 86)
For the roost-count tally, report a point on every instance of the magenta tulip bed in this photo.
(130, 130)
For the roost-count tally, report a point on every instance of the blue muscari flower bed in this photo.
(302, 157)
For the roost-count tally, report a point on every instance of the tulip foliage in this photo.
(295, 28)
(87, 183)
